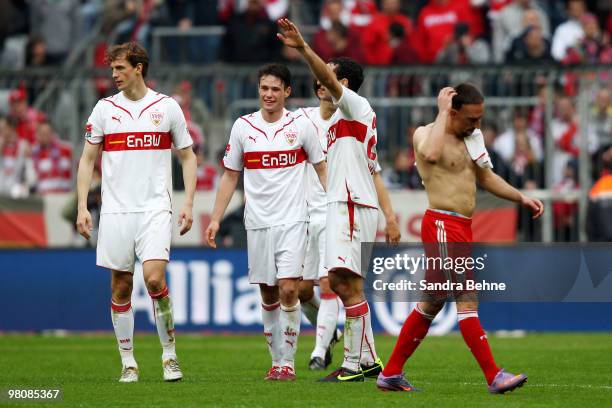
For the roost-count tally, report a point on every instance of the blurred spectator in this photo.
(16, 170)
(538, 113)
(593, 47)
(565, 133)
(404, 173)
(140, 17)
(600, 123)
(36, 52)
(189, 13)
(569, 33)
(377, 38)
(509, 26)
(194, 109)
(58, 23)
(530, 48)
(207, 173)
(339, 43)
(599, 210)
(52, 160)
(464, 49)
(435, 27)
(14, 27)
(250, 36)
(490, 134)
(565, 211)
(323, 40)
(25, 116)
(403, 52)
(521, 149)
(275, 9)
(355, 14)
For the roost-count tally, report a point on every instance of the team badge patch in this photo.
(156, 117)
(88, 129)
(290, 136)
(227, 150)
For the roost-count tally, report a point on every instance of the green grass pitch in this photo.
(563, 370)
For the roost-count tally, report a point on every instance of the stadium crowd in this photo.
(35, 159)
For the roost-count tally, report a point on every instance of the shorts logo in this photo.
(156, 117)
(291, 136)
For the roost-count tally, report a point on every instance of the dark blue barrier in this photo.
(64, 289)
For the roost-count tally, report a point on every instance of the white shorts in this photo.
(124, 236)
(276, 252)
(314, 263)
(344, 237)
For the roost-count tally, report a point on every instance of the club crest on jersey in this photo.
(156, 117)
(291, 137)
(227, 150)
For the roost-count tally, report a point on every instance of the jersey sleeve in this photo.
(94, 130)
(311, 141)
(352, 105)
(178, 126)
(371, 140)
(233, 157)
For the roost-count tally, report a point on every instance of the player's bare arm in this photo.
(497, 186)
(227, 186)
(84, 223)
(292, 37)
(430, 147)
(392, 231)
(189, 165)
(321, 169)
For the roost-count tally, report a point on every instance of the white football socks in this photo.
(122, 316)
(327, 320)
(162, 306)
(289, 320)
(270, 317)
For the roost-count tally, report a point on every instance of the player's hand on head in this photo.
(185, 220)
(211, 233)
(534, 205)
(445, 99)
(84, 224)
(290, 35)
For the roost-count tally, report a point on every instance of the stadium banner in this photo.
(22, 223)
(64, 289)
(494, 221)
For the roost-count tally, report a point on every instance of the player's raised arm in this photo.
(292, 37)
(86, 164)
(499, 187)
(431, 143)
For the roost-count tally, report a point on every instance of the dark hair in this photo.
(133, 52)
(340, 29)
(349, 69)
(467, 94)
(277, 70)
(396, 30)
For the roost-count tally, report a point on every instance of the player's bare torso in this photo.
(450, 182)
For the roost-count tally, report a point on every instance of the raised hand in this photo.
(445, 99)
(291, 36)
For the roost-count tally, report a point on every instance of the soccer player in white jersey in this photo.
(135, 130)
(352, 211)
(323, 312)
(272, 146)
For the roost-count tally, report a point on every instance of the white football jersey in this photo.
(273, 157)
(315, 194)
(351, 151)
(136, 155)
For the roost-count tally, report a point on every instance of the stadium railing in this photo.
(402, 96)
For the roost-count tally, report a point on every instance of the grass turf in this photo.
(563, 370)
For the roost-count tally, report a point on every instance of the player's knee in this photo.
(306, 291)
(122, 292)
(431, 308)
(155, 284)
